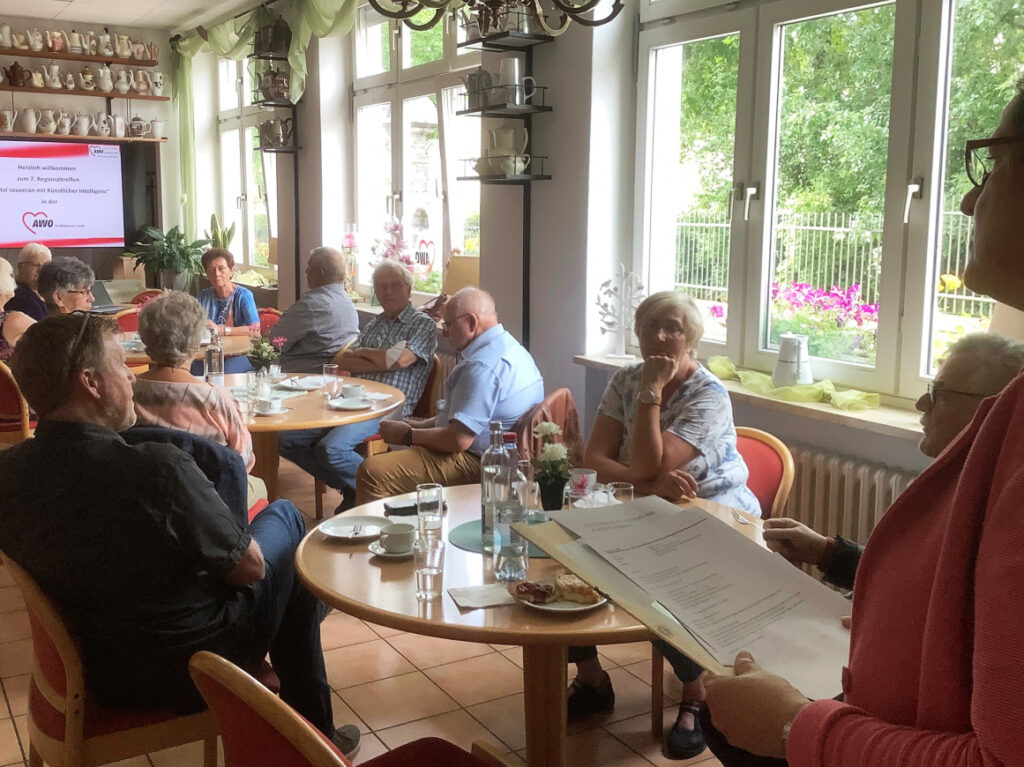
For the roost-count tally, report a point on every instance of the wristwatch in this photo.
(650, 397)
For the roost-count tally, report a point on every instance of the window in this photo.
(409, 142)
(798, 175)
(248, 177)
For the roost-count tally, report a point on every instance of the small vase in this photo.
(258, 364)
(551, 492)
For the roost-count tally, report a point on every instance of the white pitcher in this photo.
(47, 122)
(7, 118)
(64, 123)
(156, 128)
(120, 126)
(29, 119)
(102, 124)
(794, 363)
(82, 124)
(158, 81)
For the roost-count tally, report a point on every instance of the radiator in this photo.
(837, 494)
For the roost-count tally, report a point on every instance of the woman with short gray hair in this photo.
(65, 284)
(168, 395)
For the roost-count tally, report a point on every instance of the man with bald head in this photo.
(496, 379)
(317, 325)
(26, 298)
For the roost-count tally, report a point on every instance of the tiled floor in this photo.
(398, 687)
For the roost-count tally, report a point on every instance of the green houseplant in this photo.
(219, 237)
(168, 257)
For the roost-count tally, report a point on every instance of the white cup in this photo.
(268, 404)
(397, 537)
(353, 391)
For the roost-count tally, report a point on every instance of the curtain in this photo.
(315, 18)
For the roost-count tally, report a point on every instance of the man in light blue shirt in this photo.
(496, 379)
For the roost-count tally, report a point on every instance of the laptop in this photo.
(101, 300)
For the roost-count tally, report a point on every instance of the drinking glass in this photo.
(529, 493)
(428, 557)
(331, 380)
(429, 504)
(622, 492)
(274, 369)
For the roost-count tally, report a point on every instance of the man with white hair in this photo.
(496, 380)
(321, 322)
(26, 295)
(396, 348)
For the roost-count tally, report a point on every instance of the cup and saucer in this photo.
(353, 397)
(270, 406)
(395, 541)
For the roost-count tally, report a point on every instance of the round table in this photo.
(233, 346)
(307, 411)
(348, 577)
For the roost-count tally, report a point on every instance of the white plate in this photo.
(561, 606)
(376, 396)
(279, 411)
(350, 403)
(310, 383)
(340, 528)
(378, 551)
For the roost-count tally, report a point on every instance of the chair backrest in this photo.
(128, 319)
(146, 296)
(771, 468)
(14, 408)
(255, 725)
(268, 318)
(557, 407)
(57, 666)
(426, 407)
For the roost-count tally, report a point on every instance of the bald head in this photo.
(467, 314)
(326, 266)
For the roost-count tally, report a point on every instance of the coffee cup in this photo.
(397, 537)
(353, 391)
(268, 404)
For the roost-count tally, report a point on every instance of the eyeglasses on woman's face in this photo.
(978, 161)
(81, 292)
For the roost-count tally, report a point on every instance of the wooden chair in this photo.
(67, 728)
(128, 319)
(257, 727)
(268, 318)
(771, 468)
(145, 296)
(16, 423)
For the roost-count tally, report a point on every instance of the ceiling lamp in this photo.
(551, 17)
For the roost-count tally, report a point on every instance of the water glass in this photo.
(261, 389)
(583, 480)
(429, 505)
(622, 492)
(511, 555)
(331, 380)
(428, 557)
(274, 369)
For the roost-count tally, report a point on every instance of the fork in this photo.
(356, 529)
(742, 519)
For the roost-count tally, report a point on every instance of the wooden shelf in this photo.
(73, 137)
(65, 56)
(78, 92)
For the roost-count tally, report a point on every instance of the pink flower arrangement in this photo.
(393, 247)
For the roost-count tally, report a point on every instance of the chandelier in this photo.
(550, 17)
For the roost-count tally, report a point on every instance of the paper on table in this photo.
(488, 595)
(730, 594)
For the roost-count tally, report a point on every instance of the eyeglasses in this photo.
(671, 328)
(933, 392)
(978, 165)
(445, 325)
(85, 292)
(81, 332)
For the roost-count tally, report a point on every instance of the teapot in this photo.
(5, 35)
(35, 79)
(75, 42)
(69, 81)
(7, 118)
(35, 39)
(514, 165)
(478, 88)
(143, 84)
(794, 363)
(86, 79)
(19, 41)
(53, 76)
(104, 44)
(482, 165)
(82, 124)
(47, 122)
(29, 119)
(64, 124)
(101, 123)
(124, 47)
(15, 74)
(139, 127)
(139, 51)
(274, 84)
(120, 126)
(55, 41)
(509, 139)
(124, 80)
(157, 81)
(89, 43)
(105, 78)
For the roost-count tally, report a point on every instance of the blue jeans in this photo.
(328, 454)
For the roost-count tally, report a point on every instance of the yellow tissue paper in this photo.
(819, 391)
(722, 367)
(851, 399)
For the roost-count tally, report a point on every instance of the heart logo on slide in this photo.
(31, 219)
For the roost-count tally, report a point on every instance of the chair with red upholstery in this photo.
(257, 727)
(69, 729)
(128, 319)
(16, 422)
(145, 296)
(268, 318)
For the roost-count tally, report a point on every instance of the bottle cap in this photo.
(511, 437)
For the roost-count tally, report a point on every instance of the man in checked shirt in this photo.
(330, 454)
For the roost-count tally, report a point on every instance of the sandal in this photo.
(682, 743)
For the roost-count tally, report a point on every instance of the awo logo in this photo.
(36, 221)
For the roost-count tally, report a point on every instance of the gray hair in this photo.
(65, 274)
(171, 327)
(330, 262)
(657, 304)
(993, 361)
(387, 265)
(33, 249)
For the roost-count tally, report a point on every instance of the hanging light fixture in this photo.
(549, 16)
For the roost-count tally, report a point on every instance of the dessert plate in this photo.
(344, 528)
(561, 606)
(350, 403)
(378, 551)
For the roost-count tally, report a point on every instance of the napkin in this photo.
(488, 595)
(392, 354)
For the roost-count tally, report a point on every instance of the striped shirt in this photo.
(420, 334)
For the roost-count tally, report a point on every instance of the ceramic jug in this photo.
(478, 88)
(15, 74)
(53, 76)
(55, 41)
(139, 127)
(75, 42)
(124, 47)
(509, 139)
(124, 80)
(35, 39)
(104, 43)
(156, 128)
(69, 81)
(514, 165)
(143, 85)
(104, 78)
(86, 80)
(64, 124)
(29, 119)
(47, 122)
(89, 43)
(7, 118)
(101, 124)
(158, 82)
(5, 35)
(139, 51)
(482, 165)
(794, 363)
(82, 124)
(35, 79)
(120, 126)
(19, 41)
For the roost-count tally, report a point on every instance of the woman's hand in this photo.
(657, 371)
(671, 486)
(794, 540)
(751, 708)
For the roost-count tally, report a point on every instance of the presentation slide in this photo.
(64, 195)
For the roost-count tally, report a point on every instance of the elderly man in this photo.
(977, 366)
(65, 284)
(496, 380)
(26, 299)
(136, 547)
(320, 323)
(395, 348)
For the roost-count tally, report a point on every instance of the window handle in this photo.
(915, 191)
(750, 193)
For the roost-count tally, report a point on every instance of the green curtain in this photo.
(315, 18)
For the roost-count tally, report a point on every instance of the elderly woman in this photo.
(168, 394)
(12, 324)
(227, 305)
(665, 425)
(934, 674)
(65, 284)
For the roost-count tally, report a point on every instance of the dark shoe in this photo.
(683, 743)
(347, 738)
(348, 501)
(585, 699)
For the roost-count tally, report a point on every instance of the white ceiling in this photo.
(153, 14)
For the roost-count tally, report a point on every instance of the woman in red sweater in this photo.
(936, 674)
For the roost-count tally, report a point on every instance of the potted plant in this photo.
(551, 466)
(168, 257)
(219, 236)
(265, 351)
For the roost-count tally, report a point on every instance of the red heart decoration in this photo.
(28, 214)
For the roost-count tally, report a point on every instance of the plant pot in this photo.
(552, 490)
(171, 280)
(258, 364)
